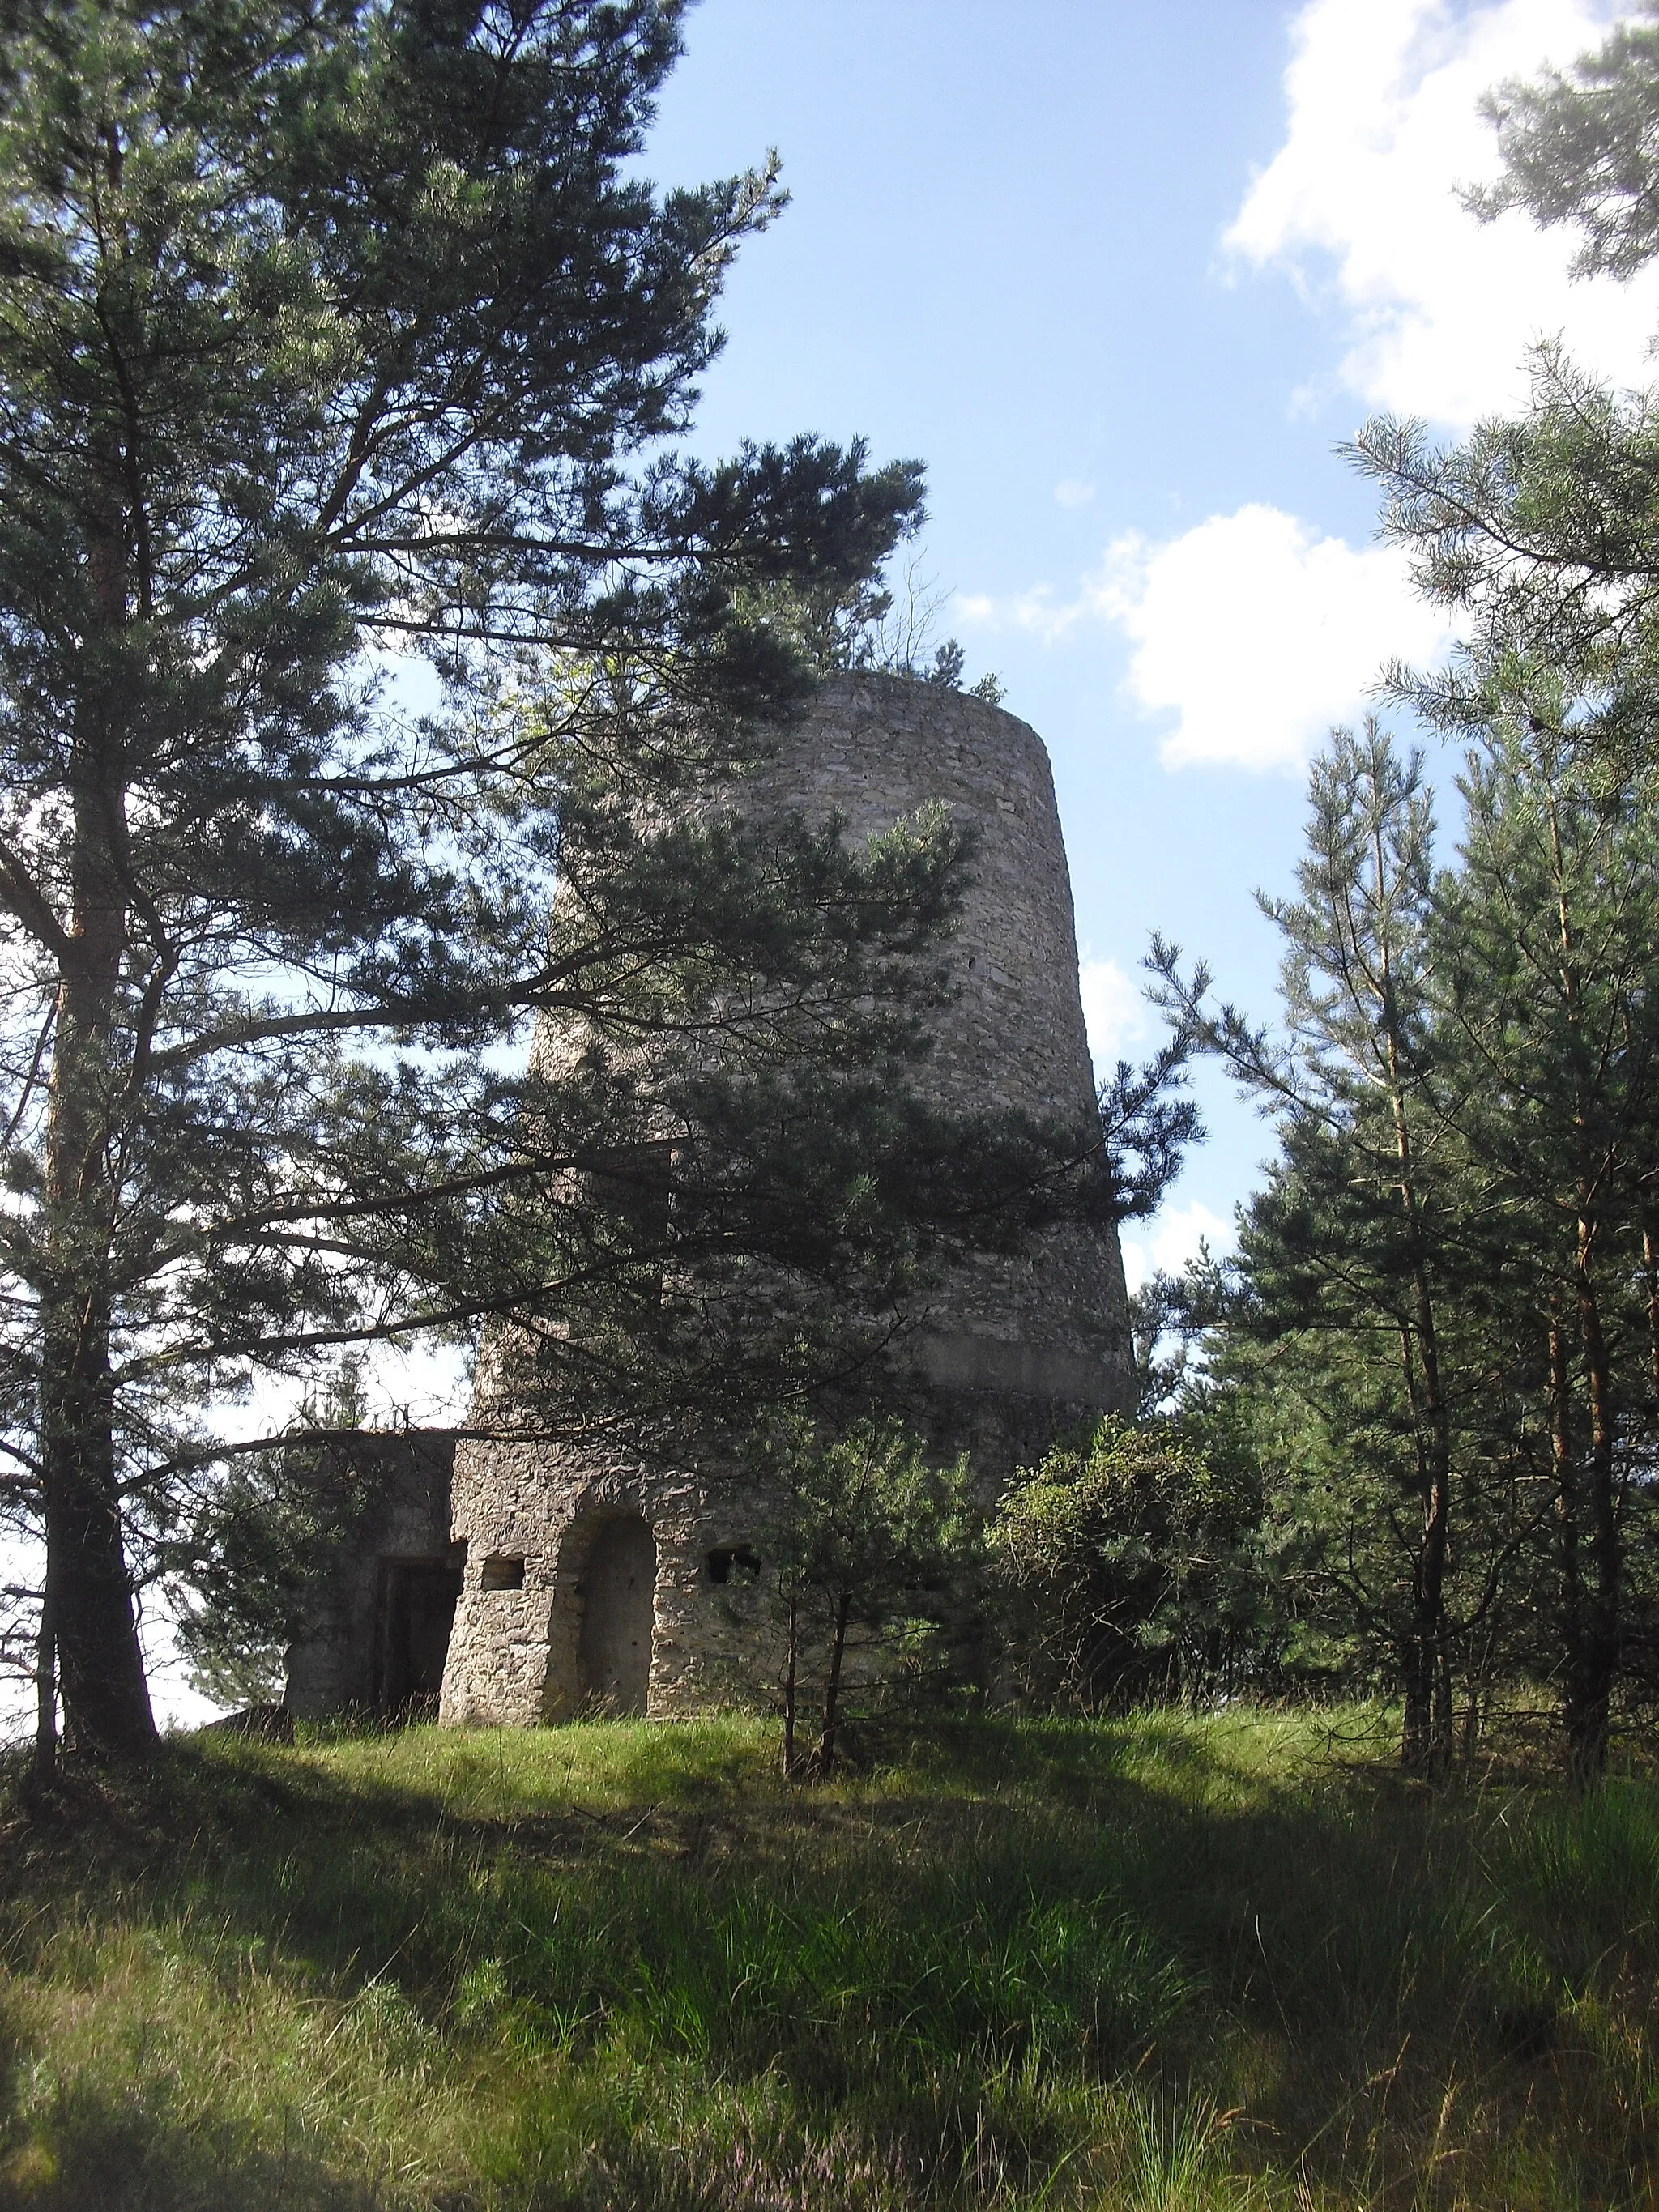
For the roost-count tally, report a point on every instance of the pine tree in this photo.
(1578, 148)
(328, 333)
(1552, 961)
(1451, 1268)
(863, 1534)
(1355, 1241)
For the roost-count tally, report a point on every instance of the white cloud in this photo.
(1070, 491)
(1113, 1011)
(1383, 129)
(1034, 609)
(1253, 631)
(1171, 1240)
(1257, 635)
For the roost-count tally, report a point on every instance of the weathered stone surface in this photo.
(376, 1638)
(1008, 1349)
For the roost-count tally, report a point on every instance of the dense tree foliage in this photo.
(1130, 1567)
(1578, 148)
(1450, 1271)
(1348, 1227)
(866, 1537)
(351, 592)
(1439, 1343)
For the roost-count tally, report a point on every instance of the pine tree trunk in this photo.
(823, 1760)
(1588, 1713)
(1594, 1657)
(1569, 1565)
(1443, 1730)
(106, 1706)
(1472, 1723)
(46, 1694)
(1416, 1725)
(789, 1671)
(1426, 1736)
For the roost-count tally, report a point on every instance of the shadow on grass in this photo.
(96, 2146)
(948, 1959)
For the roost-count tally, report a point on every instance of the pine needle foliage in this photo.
(339, 342)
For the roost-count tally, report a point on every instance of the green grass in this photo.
(1168, 1964)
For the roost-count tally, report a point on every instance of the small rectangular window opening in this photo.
(501, 1572)
(742, 1559)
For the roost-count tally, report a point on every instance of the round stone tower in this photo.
(592, 1580)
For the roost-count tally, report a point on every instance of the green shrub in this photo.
(1129, 1571)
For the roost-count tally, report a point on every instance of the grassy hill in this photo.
(1169, 1963)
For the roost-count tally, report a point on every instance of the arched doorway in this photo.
(618, 1613)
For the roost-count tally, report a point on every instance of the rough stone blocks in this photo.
(1009, 1349)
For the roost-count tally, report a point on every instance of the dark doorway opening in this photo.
(415, 1611)
(618, 1614)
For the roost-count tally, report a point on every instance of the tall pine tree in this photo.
(329, 332)
(1356, 1250)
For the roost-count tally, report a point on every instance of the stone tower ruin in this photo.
(592, 1580)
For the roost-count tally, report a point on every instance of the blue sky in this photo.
(1123, 273)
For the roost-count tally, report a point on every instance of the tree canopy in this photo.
(353, 593)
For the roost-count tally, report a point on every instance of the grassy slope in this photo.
(1166, 1963)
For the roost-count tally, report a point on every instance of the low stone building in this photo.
(377, 1633)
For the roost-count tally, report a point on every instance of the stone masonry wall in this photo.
(1050, 1324)
(336, 1664)
(1009, 1348)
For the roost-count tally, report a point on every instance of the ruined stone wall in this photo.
(1007, 1349)
(514, 1651)
(1050, 1324)
(339, 1664)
